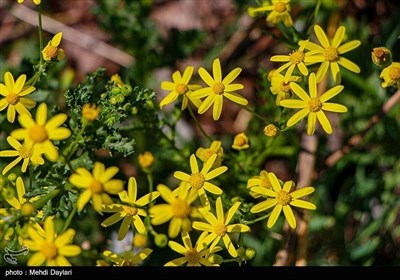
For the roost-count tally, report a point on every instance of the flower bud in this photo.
(161, 240)
(381, 56)
(215, 259)
(250, 253)
(271, 130)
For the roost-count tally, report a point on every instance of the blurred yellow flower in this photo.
(278, 11)
(124, 259)
(215, 148)
(20, 202)
(280, 88)
(218, 88)
(281, 199)
(51, 249)
(90, 112)
(331, 53)
(180, 87)
(96, 184)
(117, 80)
(219, 226)
(391, 75)
(37, 2)
(130, 212)
(24, 152)
(313, 105)
(240, 142)
(52, 51)
(146, 160)
(261, 180)
(271, 130)
(13, 91)
(41, 131)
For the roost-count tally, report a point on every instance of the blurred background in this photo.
(357, 221)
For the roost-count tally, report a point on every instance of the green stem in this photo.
(198, 124)
(254, 113)
(257, 220)
(42, 201)
(72, 147)
(151, 187)
(69, 219)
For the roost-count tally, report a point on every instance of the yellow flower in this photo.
(180, 86)
(271, 130)
(259, 181)
(117, 80)
(52, 51)
(42, 131)
(24, 152)
(282, 199)
(96, 185)
(126, 258)
(146, 160)
(20, 202)
(90, 112)
(279, 11)
(313, 105)
(391, 75)
(205, 153)
(13, 93)
(51, 248)
(199, 180)
(140, 240)
(192, 256)
(130, 212)
(177, 210)
(331, 53)
(280, 88)
(37, 2)
(218, 88)
(219, 227)
(297, 58)
(240, 142)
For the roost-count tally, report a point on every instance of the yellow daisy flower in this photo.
(20, 202)
(297, 58)
(282, 199)
(146, 160)
(52, 51)
(13, 91)
(192, 256)
(261, 180)
(51, 248)
(130, 211)
(199, 180)
(391, 75)
(240, 142)
(313, 105)
(96, 184)
(125, 259)
(331, 53)
(42, 131)
(218, 88)
(279, 11)
(24, 152)
(271, 130)
(180, 86)
(90, 112)
(215, 148)
(219, 227)
(280, 88)
(178, 209)
(37, 2)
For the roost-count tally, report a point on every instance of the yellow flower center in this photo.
(50, 51)
(181, 88)
(130, 211)
(180, 208)
(280, 7)
(270, 130)
(49, 250)
(196, 180)
(285, 87)
(296, 57)
(220, 230)
(38, 133)
(12, 98)
(331, 54)
(394, 73)
(192, 256)
(24, 152)
(96, 187)
(27, 209)
(314, 105)
(283, 198)
(218, 88)
(240, 141)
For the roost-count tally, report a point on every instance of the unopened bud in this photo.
(381, 56)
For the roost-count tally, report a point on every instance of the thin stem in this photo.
(69, 219)
(257, 220)
(42, 201)
(254, 113)
(151, 187)
(198, 124)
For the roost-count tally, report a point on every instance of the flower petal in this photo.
(331, 93)
(206, 77)
(319, 32)
(287, 211)
(206, 104)
(124, 228)
(187, 74)
(302, 192)
(338, 38)
(41, 114)
(216, 172)
(349, 65)
(229, 245)
(139, 225)
(181, 176)
(323, 68)
(274, 182)
(69, 250)
(299, 91)
(83, 199)
(264, 205)
(237, 98)
(312, 85)
(334, 107)
(37, 259)
(348, 46)
(112, 219)
(303, 204)
(231, 212)
(231, 77)
(293, 103)
(19, 84)
(177, 247)
(324, 122)
(297, 117)
(217, 109)
(174, 227)
(274, 215)
(312, 119)
(212, 188)
(217, 70)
